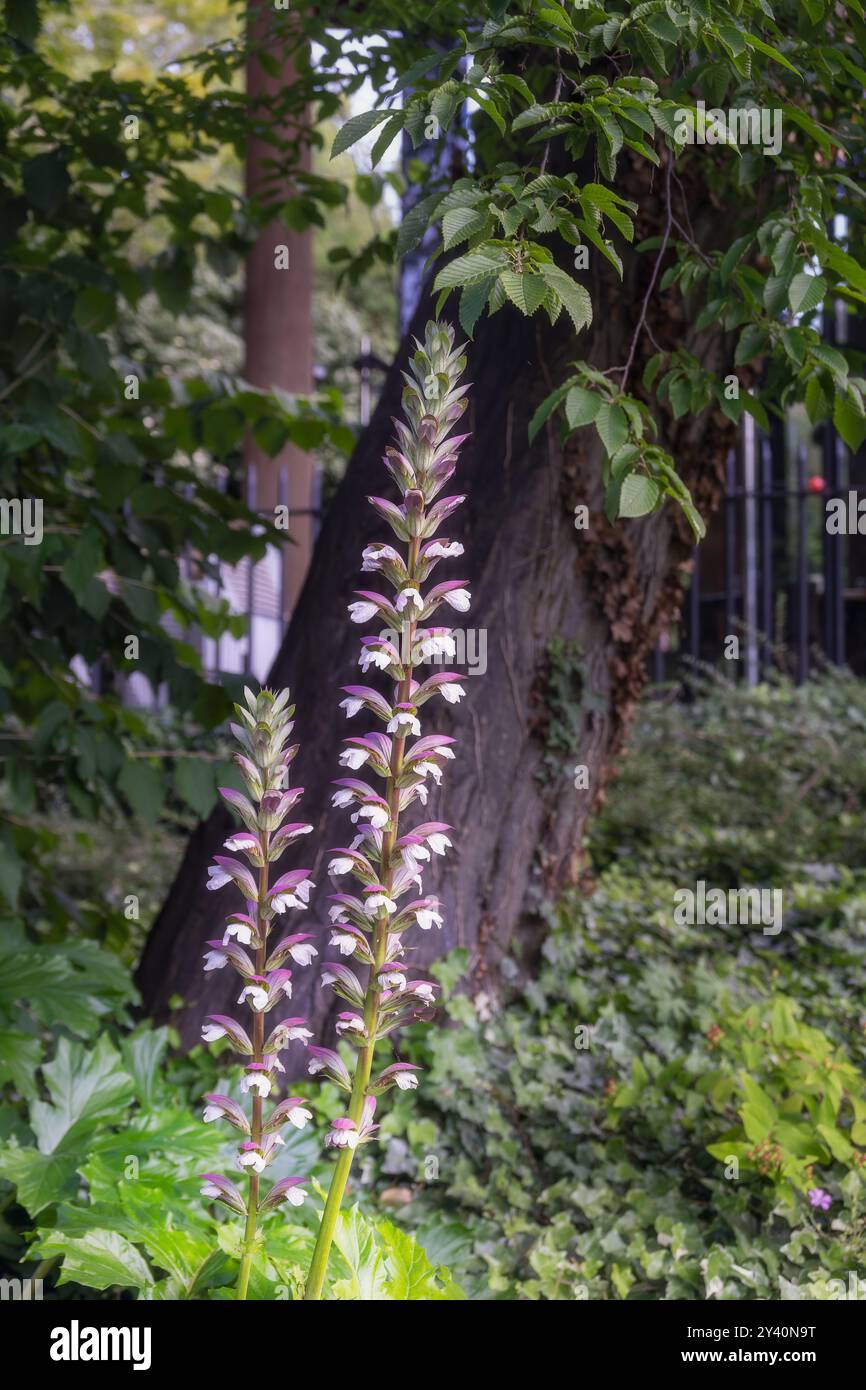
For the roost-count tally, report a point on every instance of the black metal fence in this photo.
(770, 572)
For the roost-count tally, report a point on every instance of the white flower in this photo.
(295, 1196)
(342, 797)
(241, 930)
(344, 942)
(414, 854)
(291, 1034)
(378, 816)
(404, 717)
(217, 877)
(302, 953)
(370, 656)
(353, 758)
(452, 692)
(444, 550)
(298, 897)
(211, 1032)
(405, 1081)
(438, 842)
(351, 706)
(392, 979)
(421, 792)
(459, 599)
(211, 1190)
(362, 611)
(256, 1081)
(377, 900)
(299, 1117)
(426, 917)
(437, 644)
(424, 991)
(215, 960)
(340, 866)
(241, 842)
(350, 1025)
(337, 913)
(212, 1112)
(251, 1159)
(344, 1138)
(374, 555)
(257, 996)
(408, 595)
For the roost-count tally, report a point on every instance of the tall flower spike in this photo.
(387, 865)
(265, 978)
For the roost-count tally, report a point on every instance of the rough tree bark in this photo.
(606, 592)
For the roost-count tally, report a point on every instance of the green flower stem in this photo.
(364, 1064)
(258, 1053)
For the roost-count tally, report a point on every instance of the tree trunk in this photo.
(570, 618)
(278, 302)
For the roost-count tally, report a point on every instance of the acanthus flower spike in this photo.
(264, 728)
(386, 864)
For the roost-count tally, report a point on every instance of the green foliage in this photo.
(592, 1164)
(373, 1261)
(564, 88)
(108, 217)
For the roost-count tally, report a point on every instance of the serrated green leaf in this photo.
(806, 292)
(355, 128)
(611, 422)
(469, 268)
(574, 297)
(472, 302)
(581, 406)
(638, 495)
(527, 291)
